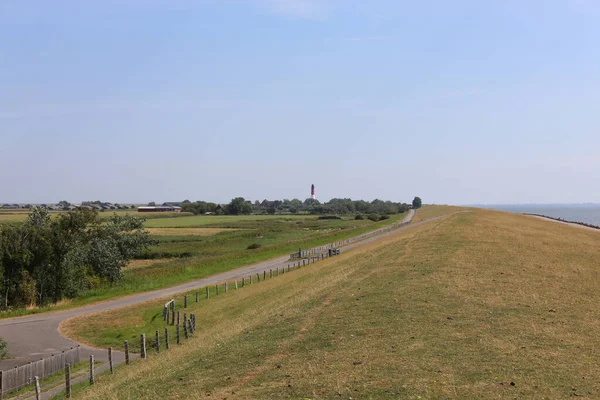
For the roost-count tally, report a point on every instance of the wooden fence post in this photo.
(126, 352)
(243, 281)
(185, 301)
(226, 286)
(251, 279)
(190, 328)
(235, 280)
(1, 385)
(167, 338)
(143, 345)
(207, 292)
(92, 369)
(264, 275)
(271, 273)
(38, 394)
(110, 361)
(197, 294)
(68, 380)
(157, 342)
(185, 331)
(217, 289)
(257, 277)
(177, 334)
(173, 312)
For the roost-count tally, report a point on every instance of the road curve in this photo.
(33, 337)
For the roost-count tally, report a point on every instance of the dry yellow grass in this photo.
(475, 305)
(146, 263)
(187, 231)
(430, 211)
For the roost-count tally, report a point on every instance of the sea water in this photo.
(587, 213)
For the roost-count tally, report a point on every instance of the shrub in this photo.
(253, 246)
(3, 349)
(384, 217)
(359, 217)
(373, 217)
(329, 217)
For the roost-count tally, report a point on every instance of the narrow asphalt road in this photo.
(34, 337)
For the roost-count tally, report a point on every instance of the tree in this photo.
(44, 260)
(151, 204)
(63, 204)
(416, 203)
(238, 206)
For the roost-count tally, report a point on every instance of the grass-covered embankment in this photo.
(476, 305)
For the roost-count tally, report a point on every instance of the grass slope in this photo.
(477, 305)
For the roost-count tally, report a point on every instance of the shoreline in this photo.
(563, 221)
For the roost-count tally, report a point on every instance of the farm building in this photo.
(159, 209)
(10, 206)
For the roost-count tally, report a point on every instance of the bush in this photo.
(383, 217)
(373, 217)
(253, 246)
(3, 349)
(359, 217)
(329, 217)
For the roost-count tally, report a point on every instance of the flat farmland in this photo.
(21, 215)
(220, 220)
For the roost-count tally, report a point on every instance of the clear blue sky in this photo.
(155, 100)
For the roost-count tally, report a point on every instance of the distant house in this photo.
(10, 206)
(159, 209)
(267, 204)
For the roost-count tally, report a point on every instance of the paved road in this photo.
(33, 337)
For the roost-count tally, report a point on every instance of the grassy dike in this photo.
(475, 305)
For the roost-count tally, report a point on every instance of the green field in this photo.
(475, 305)
(187, 257)
(21, 215)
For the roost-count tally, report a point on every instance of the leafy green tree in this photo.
(45, 260)
(416, 203)
(3, 349)
(239, 206)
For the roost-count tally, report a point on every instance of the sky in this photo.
(458, 102)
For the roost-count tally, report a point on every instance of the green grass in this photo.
(21, 215)
(476, 305)
(195, 257)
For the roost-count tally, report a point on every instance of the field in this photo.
(183, 254)
(475, 305)
(21, 215)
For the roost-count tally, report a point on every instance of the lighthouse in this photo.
(312, 192)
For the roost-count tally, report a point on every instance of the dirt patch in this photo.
(135, 264)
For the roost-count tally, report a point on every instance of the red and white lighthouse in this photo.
(312, 192)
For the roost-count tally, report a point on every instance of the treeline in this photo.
(239, 205)
(44, 260)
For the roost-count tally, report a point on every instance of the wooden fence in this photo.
(319, 252)
(19, 377)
